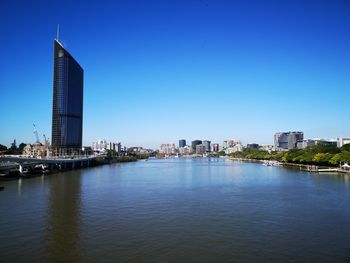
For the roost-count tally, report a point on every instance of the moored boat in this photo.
(271, 163)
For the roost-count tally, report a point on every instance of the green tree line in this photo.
(325, 155)
(13, 149)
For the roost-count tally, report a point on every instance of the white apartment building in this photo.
(185, 150)
(103, 145)
(235, 148)
(230, 143)
(168, 148)
(342, 141)
(99, 146)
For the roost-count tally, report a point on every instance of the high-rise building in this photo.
(114, 146)
(207, 146)
(67, 109)
(182, 143)
(288, 140)
(194, 144)
(216, 147)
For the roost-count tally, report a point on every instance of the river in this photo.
(177, 210)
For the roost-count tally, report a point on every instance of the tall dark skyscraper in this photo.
(67, 109)
(195, 143)
(182, 143)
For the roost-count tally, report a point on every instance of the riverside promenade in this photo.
(52, 163)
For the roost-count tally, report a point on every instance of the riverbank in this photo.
(319, 155)
(13, 173)
(302, 167)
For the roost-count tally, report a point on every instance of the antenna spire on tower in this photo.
(58, 31)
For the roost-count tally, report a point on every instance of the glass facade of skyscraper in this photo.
(182, 143)
(67, 110)
(195, 143)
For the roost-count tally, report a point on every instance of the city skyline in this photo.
(247, 73)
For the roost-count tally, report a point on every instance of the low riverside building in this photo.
(185, 150)
(230, 143)
(136, 149)
(305, 143)
(200, 149)
(167, 148)
(236, 148)
(35, 150)
(270, 148)
(253, 145)
(342, 141)
(325, 142)
(102, 146)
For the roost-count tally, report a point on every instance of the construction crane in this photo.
(36, 134)
(46, 140)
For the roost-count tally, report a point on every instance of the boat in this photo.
(266, 163)
(2, 188)
(271, 163)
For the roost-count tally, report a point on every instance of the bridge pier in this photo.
(20, 168)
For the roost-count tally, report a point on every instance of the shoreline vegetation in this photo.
(110, 158)
(317, 155)
(309, 159)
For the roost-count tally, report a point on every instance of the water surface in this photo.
(177, 210)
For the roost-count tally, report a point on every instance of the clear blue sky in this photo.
(159, 71)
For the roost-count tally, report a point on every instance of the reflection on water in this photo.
(177, 210)
(19, 187)
(62, 237)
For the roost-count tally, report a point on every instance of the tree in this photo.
(221, 153)
(345, 157)
(320, 148)
(305, 158)
(20, 148)
(111, 153)
(3, 148)
(335, 159)
(322, 158)
(345, 147)
(12, 149)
